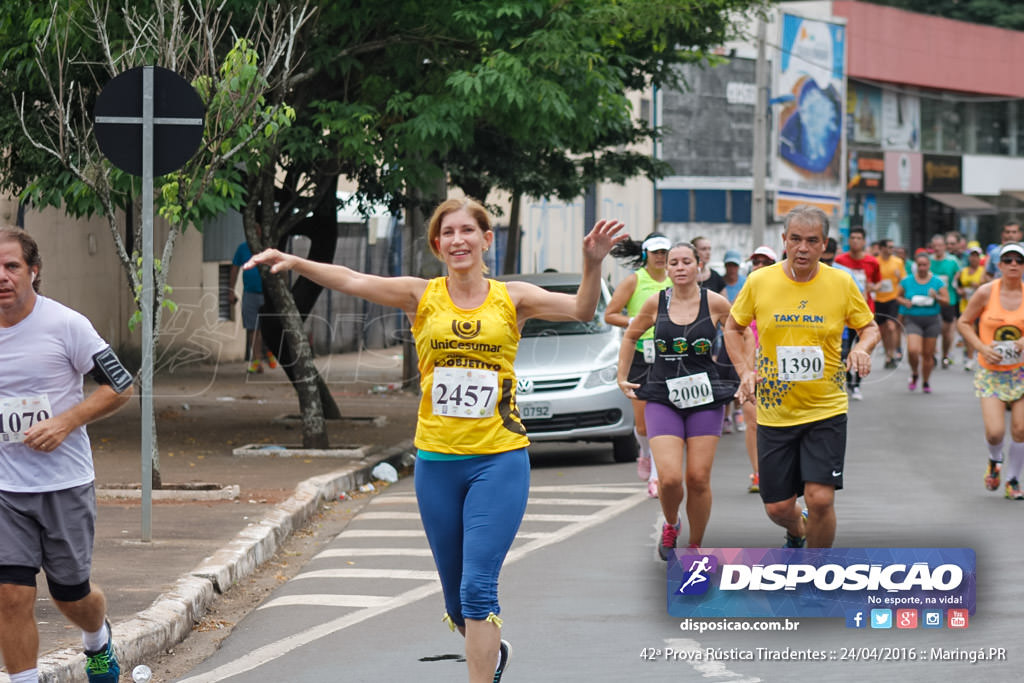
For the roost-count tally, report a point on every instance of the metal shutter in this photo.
(893, 220)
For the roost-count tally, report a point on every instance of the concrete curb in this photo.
(172, 615)
(229, 492)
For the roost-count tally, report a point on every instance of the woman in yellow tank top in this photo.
(472, 461)
(967, 281)
(993, 325)
(649, 258)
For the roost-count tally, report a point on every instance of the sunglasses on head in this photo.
(1019, 260)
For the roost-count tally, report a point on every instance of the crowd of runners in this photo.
(791, 346)
(776, 352)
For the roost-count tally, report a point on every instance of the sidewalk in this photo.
(157, 590)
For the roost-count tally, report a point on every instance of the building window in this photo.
(740, 200)
(711, 206)
(675, 206)
(225, 310)
(992, 131)
(943, 126)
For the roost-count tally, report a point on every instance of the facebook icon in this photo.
(856, 619)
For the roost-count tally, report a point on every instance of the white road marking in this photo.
(374, 552)
(411, 500)
(410, 533)
(326, 600)
(530, 517)
(389, 515)
(586, 488)
(279, 648)
(353, 573)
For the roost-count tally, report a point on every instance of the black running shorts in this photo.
(789, 456)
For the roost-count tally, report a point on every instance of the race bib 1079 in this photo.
(17, 414)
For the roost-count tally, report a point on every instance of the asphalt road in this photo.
(583, 597)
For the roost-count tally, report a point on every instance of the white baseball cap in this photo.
(1012, 247)
(657, 243)
(764, 250)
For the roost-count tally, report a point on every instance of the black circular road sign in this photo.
(177, 120)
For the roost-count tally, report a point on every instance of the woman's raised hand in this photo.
(602, 238)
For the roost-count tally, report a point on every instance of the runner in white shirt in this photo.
(47, 500)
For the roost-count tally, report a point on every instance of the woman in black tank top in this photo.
(685, 394)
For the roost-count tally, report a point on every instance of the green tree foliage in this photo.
(55, 58)
(401, 97)
(1001, 13)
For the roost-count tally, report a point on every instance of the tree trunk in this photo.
(512, 244)
(282, 321)
(297, 359)
(322, 230)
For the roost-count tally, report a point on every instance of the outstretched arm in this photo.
(396, 292)
(535, 302)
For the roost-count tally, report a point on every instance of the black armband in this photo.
(107, 369)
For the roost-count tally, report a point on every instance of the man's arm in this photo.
(49, 434)
(868, 337)
(114, 391)
(742, 356)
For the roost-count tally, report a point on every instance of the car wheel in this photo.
(624, 448)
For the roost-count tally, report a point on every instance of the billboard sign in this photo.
(810, 130)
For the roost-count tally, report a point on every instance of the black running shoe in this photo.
(504, 652)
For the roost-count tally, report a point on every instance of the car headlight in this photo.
(606, 375)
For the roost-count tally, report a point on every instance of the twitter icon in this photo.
(881, 618)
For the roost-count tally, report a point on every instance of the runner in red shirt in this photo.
(867, 274)
(864, 266)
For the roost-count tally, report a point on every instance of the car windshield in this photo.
(543, 328)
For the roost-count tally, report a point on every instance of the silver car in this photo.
(566, 373)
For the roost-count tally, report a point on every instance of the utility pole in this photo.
(758, 207)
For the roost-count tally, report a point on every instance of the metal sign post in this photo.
(140, 153)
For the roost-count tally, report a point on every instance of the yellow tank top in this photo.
(970, 282)
(646, 286)
(467, 381)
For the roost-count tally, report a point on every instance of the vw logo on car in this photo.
(524, 386)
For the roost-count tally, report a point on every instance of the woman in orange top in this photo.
(997, 308)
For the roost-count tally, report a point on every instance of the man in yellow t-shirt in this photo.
(801, 307)
(887, 308)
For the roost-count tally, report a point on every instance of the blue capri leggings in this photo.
(471, 510)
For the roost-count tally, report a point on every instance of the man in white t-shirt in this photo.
(47, 499)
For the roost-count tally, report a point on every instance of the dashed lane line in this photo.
(326, 600)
